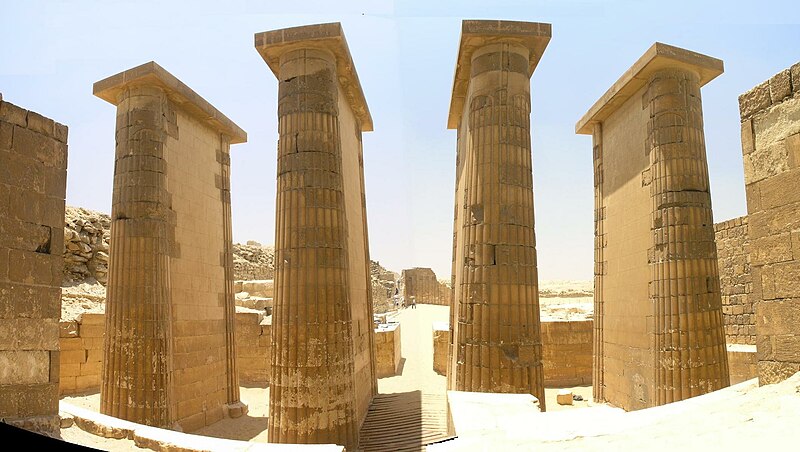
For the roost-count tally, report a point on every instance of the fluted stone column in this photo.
(312, 370)
(169, 358)
(497, 343)
(691, 357)
(658, 328)
(323, 358)
(136, 365)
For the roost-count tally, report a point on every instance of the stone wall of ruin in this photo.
(86, 243)
(770, 121)
(567, 353)
(733, 255)
(421, 283)
(33, 173)
(81, 344)
(253, 335)
(388, 352)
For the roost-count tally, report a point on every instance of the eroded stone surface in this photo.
(33, 172)
(772, 177)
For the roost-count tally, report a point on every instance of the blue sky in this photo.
(53, 51)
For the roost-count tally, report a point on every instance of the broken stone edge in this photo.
(168, 440)
(477, 33)
(151, 74)
(330, 36)
(658, 56)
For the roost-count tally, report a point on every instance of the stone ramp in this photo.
(404, 421)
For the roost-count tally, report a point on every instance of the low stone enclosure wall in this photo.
(566, 352)
(81, 343)
(388, 353)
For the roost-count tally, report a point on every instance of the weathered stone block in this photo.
(755, 100)
(29, 334)
(780, 86)
(24, 367)
(748, 141)
(41, 124)
(13, 114)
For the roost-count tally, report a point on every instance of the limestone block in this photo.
(755, 100)
(564, 397)
(780, 86)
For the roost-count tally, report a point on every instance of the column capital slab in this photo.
(151, 74)
(330, 36)
(658, 56)
(477, 33)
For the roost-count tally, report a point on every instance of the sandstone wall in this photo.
(253, 334)
(441, 342)
(81, 343)
(770, 120)
(33, 173)
(567, 353)
(421, 283)
(733, 255)
(387, 350)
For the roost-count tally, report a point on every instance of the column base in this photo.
(235, 409)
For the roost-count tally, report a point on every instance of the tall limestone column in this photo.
(496, 332)
(323, 372)
(691, 358)
(169, 356)
(658, 335)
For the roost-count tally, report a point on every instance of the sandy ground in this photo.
(77, 436)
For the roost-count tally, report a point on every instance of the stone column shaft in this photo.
(136, 365)
(691, 357)
(312, 395)
(235, 406)
(498, 344)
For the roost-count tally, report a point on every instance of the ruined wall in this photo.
(770, 120)
(733, 255)
(33, 174)
(387, 350)
(441, 344)
(253, 335)
(567, 353)
(81, 343)
(422, 284)
(253, 262)
(86, 237)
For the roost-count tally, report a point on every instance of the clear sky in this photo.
(51, 52)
